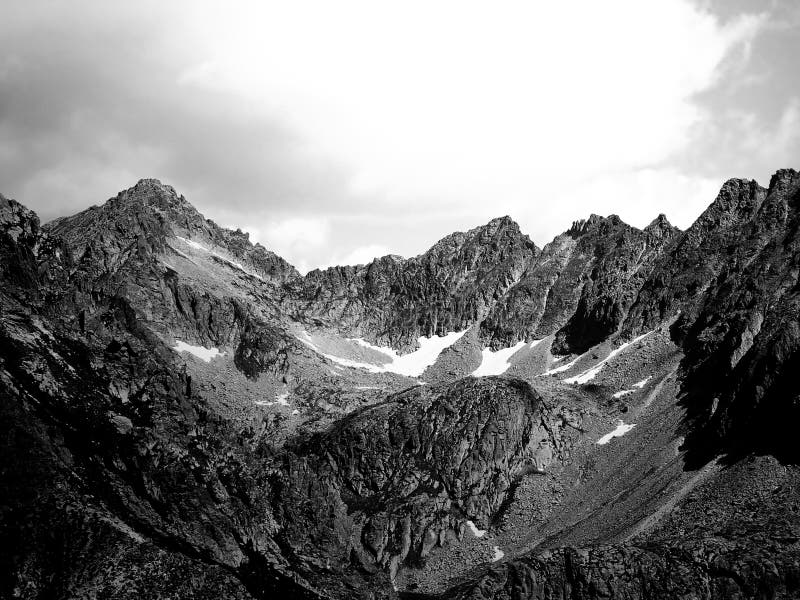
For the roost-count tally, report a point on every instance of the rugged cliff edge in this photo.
(394, 301)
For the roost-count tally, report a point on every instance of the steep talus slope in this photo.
(581, 285)
(734, 537)
(393, 301)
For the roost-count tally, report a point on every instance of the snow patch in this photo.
(354, 364)
(592, 372)
(497, 363)
(197, 246)
(412, 364)
(638, 385)
(621, 429)
(205, 354)
(562, 368)
(192, 244)
(479, 533)
(306, 338)
(282, 399)
(498, 554)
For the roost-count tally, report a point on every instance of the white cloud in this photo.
(459, 100)
(292, 238)
(779, 141)
(361, 255)
(646, 193)
(743, 143)
(294, 120)
(545, 112)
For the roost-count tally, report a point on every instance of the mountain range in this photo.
(609, 416)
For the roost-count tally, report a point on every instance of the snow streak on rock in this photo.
(204, 354)
(234, 264)
(562, 368)
(479, 533)
(592, 372)
(498, 554)
(621, 429)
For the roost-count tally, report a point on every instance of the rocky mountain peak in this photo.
(497, 233)
(784, 179)
(19, 230)
(16, 220)
(151, 183)
(661, 228)
(149, 214)
(595, 223)
(500, 222)
(737, 199)
(393, 301)
(151, 194)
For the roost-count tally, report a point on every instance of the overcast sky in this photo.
(336, 131)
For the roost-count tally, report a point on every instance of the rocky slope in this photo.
(183, 414)
(389, 483)
(736, 537)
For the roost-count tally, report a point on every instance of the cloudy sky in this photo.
(336, 131)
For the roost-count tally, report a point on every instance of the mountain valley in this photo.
(185, 415)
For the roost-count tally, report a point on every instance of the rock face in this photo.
(139, 221)
(393, 301)
(281, 469)
(682, 275)
(113, 468)
(390, 482)
(19, 230)
(581, 285)
(743, 333)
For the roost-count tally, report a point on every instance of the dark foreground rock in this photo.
(389, 483)
(736, 537)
